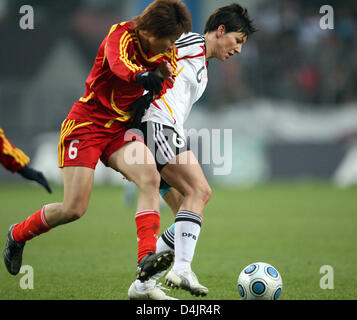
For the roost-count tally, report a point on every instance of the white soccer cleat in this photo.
(186, 280)
(153, 292)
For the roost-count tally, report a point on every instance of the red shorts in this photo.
(82, 143)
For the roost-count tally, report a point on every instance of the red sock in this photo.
(33, 226)
(147, 226)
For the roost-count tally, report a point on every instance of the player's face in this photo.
(156, 45)
(228, 44)
(161, 45)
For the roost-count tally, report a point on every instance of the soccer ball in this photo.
(260, 281)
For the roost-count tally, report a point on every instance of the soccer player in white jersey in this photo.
(184, 186)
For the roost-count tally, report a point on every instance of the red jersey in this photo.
(11, 158)
(111, 86)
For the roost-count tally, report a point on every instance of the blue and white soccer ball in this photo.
(260, 281)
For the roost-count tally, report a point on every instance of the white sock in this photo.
(187, 231)
(166, 242)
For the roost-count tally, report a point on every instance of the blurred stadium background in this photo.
(290, 98)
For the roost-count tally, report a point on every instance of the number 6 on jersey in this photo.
(73, 151)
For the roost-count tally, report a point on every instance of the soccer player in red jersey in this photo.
(15, 160)
(98, 126)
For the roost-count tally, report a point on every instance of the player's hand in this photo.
(32, 174)
(165, 70)
(150, 81)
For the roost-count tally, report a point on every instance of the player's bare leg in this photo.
(174, 200)
(141, 170)
(185, 174)
(78, 183)
(144, 174)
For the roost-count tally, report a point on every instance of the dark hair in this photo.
(234, 17)
(165, 18)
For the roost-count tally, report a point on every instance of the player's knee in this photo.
(208, 193)
(205, 193)
(75, 212)
(201, 192)
(149, 179)
(153, 180)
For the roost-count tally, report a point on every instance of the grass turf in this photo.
(297, 227)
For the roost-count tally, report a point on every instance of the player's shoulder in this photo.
(190, 44)
(126, 25)
(119, 31)
(122, 27)
(190, 39)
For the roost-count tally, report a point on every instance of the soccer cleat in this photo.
(186, 280)
(13, 253)
(148, 293)
(153, 263)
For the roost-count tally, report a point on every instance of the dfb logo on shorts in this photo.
(189, 235)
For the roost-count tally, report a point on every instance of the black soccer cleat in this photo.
(13, 253)
(153, 263)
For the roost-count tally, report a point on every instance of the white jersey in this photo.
(173, 108)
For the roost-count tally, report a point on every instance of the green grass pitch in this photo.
(297, 227)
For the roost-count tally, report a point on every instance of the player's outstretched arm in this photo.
(32, 174)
